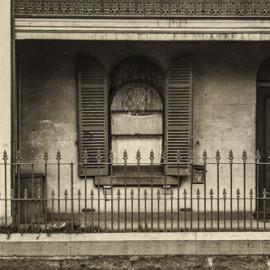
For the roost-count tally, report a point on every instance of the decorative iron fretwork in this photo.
(143, 8)
(137, 69)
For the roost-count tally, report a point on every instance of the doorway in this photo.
(263, 135)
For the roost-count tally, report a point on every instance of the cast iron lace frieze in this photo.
(143, 8)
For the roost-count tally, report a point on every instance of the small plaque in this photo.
(198, 174)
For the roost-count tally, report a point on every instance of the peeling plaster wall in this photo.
(224, 99)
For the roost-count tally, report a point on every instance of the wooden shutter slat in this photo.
(179, 113)
(93, 131)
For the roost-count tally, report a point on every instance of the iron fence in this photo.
(44, 196)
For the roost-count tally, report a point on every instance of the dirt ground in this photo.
(136, 263)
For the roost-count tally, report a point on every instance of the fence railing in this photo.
(217, 195)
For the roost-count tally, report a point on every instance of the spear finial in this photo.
(84, 156)
(125, 157)
(138, 157)
(231, 156)
(5, 156)
(18, 156)
(32, 156)
(152, 157)
(58, 156)
(244, 156)
(218, 158)
(258, 156)
(205, 157)
(99, 156)
(46, 157)
(111, 156)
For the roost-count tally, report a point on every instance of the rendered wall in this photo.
(224, 100)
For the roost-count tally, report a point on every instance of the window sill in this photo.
(135, 180)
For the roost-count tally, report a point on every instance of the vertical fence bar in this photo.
(250, 202)
(33, 203)
(45, 197)
(211, 207)
(178, 159)
(79, 206)
(99, 156)
(66, 201)
(224, 207)
(238, 199)
(185, 209)
(158, 209)
(198, 209)
(105, 210)
(231, 187)
(191, 192)
(132, 208)
(264, 209)
(58, 158)
(25, 197)
(165, 163)
(152, 158)
(118, 209)
(18, 161)
(125, 157)
(84, 160)
(171, 193)
(52, 198)
(5, 158)
(244, 157)
(111, 161)
(72, 194)
(39, 209)
(218, 167)
(145, 210)
(257, 194)
(204, 188)
(13, 207)
(138, 157)
(92, 208)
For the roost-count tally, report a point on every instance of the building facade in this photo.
(160, 102)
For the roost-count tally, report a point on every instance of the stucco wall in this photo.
(224, 99)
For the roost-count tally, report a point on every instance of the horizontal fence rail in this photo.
(217, 195)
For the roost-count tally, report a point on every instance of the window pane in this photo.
(131, 145)
(134, 124)
(136, 97)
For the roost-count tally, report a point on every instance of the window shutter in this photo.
(179, 86)
(93, 115)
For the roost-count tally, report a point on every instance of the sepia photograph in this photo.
(135, 134)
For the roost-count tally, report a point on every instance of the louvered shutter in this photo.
(179, 86)
(93, 115)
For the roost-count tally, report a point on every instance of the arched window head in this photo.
(136, 98)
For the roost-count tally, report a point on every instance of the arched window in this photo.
(137, 106)
(136, 122)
